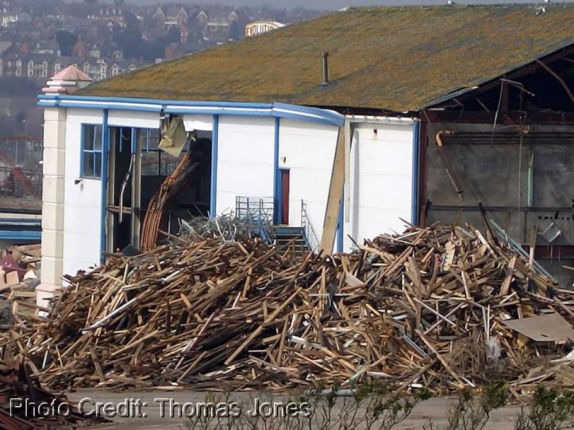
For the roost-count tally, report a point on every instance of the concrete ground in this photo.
(166, 409)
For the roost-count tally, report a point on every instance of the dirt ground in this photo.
(160, 409)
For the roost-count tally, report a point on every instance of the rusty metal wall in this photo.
(524, 177)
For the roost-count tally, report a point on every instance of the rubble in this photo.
(423, 309)
(25, 405)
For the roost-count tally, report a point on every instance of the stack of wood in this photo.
(434, 307)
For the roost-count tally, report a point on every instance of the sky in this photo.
(332, 4)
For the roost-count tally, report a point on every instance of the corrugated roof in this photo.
(394, 58)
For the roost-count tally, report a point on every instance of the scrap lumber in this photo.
(21, 396)
(426, 308)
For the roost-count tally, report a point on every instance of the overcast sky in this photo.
(331, 4)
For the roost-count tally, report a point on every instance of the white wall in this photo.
(245, 159)
(122, 118)
(381, 180)
(82, 210)
(307, 150)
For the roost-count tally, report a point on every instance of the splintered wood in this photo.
(23, 403)
(424, 309)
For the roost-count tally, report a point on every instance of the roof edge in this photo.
(278, 110)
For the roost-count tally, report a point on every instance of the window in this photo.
(91, 151)
(156, 162)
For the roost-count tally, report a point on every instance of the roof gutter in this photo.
(277, 110)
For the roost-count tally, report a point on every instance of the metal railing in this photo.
(20, 171)
(257, 212)
(308, 230)
(20, 183)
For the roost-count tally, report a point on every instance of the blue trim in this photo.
(276, 181)
(289, 230)
(104, 179)
(307, 119)
(58, 97)
(20, 235)
(340, 119)
(8, 221)
(214, 153)
(134, 141)
(280, 110)
(340, 224)
(415, 173)
(82, 138)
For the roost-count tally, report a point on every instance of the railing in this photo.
(308, 230)
(20, 184)
(257, 212)
(20, 172)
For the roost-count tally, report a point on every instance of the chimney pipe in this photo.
(325, 68)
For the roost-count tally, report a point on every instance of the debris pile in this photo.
(18, 279)
(434, 308)
(25, 405)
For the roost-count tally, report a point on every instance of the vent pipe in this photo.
(325, 68)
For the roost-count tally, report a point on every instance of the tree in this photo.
(66, 41)
(234, 31)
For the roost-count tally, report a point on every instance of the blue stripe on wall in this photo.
(214, 154)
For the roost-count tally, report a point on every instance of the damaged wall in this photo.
(524, 179)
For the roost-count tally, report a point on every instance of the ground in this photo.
(435, 408)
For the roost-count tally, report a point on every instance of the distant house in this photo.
(217, 26)
(171, 16)
(202, 19)
(49, 47)
(96, 68)
(31, 66)
(79, 49)
(159, 15)
(259, 27)
(335, 147)
(181, 17)
(62, 62)
(37, 69)
(8, 19)
(109, 15)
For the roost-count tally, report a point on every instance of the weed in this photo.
(549, 409)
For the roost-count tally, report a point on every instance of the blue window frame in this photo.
(90, 166)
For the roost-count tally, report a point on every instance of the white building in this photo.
(259, 27)
(342, 157)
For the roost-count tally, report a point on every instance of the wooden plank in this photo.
(334, 197)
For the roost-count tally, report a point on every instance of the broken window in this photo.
(156, 162)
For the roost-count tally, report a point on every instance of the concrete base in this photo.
(44, 295)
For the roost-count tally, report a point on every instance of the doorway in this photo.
(123, 199)
(138, 171)
(283, 209)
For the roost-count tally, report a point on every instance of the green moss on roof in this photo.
(393, 58)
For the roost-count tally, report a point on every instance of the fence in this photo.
(256, 212)
(308, 230)
(20, 170)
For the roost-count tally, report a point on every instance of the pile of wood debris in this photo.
(438, 307)
(25, 405)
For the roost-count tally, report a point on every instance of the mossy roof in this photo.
(393, 58)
